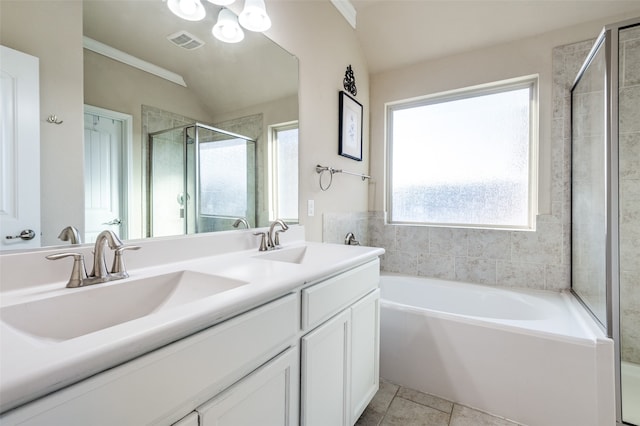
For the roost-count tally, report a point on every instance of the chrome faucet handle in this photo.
(117, 268)
(263, 242)
(78, 272)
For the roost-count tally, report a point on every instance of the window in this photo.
(464, 158)
(283, 172)
(225, 176)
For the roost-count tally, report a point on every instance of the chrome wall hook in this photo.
(53, 119)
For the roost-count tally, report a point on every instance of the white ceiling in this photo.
(394, 33)
(223, 77)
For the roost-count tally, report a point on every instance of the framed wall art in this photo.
(350, 138)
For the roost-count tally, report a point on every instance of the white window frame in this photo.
(272, 169)
(530, 81)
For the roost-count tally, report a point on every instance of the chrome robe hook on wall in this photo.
(53, 119)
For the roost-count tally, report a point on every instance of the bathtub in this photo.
(534, 357)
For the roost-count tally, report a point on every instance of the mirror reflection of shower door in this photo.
(226, 185)
(168, 197)
(200, 180)
(105, 174)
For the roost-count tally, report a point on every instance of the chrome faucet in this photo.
(241, 220)
(350, 240)
(100, 271)
(275, 242)
(99, 274)
(71, 234)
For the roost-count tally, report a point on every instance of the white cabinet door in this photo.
(325, 372)
(365, 352)
(266, 397)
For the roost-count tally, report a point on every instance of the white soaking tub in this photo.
(534, 357)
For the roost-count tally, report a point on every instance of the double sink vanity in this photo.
(206, 330)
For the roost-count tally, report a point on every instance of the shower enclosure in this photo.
(200, 179)
(605, 201)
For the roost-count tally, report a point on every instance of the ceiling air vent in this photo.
(185, 40)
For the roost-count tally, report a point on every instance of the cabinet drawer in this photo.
(325, 299)
(164, 385)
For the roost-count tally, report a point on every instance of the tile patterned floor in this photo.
(399, 406)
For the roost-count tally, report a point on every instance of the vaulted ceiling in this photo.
(394, 33)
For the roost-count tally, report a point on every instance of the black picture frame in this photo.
(350, 135)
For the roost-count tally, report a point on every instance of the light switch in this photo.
(310, 208)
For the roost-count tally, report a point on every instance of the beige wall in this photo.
(325, 45)
(59, 49)
(519, 58)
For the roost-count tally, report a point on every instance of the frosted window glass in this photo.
(287, 171)
(224, 178)
(462, 161)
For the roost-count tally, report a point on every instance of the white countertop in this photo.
(31, 366)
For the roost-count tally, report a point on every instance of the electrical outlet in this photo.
(310, 208)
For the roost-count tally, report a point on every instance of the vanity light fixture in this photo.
(227, 28)
(254, 16)
(191, 10)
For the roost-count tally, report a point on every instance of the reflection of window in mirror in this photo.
(283, 172)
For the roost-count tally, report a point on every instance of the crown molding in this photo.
(131, 60)
(347, 10)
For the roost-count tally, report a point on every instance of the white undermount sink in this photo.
(289, 255)
(90, 309)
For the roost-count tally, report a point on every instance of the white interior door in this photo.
(105, 203)
(19, 150)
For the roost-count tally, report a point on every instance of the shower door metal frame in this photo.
(600, 43)
(609, 40)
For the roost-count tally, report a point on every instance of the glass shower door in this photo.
(168, 198)
(589, 188)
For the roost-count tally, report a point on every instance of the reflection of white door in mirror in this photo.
(106, 142)
(19, 150)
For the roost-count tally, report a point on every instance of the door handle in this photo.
(27, 234)
(115, 221)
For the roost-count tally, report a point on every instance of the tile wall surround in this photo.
(629, 92)
(524, 259)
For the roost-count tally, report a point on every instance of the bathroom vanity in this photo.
(288, 336)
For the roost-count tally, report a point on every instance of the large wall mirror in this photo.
(155, 89)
